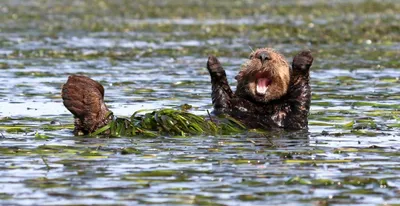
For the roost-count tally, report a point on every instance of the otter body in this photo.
(269, 94)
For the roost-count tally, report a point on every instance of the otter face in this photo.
(264, 77)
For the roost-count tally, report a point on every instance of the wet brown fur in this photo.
(277, 69)
(84, 98)
(287, 101)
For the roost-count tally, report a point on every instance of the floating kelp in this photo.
(169, 122)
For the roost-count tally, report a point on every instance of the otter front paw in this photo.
(221, 91)
(213, 64)
(214, 67)
(302, 61)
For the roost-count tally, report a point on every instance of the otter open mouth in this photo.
(262, 86)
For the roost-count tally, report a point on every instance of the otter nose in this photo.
(264, 56)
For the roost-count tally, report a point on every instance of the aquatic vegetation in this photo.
(170, 122)
(151, 55)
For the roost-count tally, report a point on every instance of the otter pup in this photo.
(269, 93)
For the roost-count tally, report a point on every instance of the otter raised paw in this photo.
(222, 93)
(269, 94)
(83, 97)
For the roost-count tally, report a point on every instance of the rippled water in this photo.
(152, 54)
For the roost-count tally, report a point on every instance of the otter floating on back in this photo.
(269, 93)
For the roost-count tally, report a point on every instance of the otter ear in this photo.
(302, 61)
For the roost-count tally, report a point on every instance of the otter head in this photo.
(264, 77)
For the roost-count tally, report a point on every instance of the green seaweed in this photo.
(5, 196)
(45, 183)
(348, 156)
(317, 161)
(169, 122)
(249, 197)
(298, 180)
(130, 150)
(360, 181)
(41, 136)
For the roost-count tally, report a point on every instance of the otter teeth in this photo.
(262, 86)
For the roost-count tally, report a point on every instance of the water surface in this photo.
(152, 54)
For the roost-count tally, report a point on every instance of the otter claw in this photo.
(302, 61)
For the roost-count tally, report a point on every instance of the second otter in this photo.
(269, 94)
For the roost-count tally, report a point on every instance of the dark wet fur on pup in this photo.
(286, 108)
(84, 98)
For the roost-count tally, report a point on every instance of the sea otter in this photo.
(84, 98)
(269, 93)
